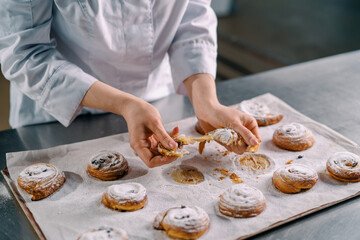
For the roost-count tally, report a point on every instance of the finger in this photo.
(248, 136)
(254, 128)
(160, 160)
(145, 155)
(163, 136)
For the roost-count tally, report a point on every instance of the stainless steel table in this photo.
(326, 90)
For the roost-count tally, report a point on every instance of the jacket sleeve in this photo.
(29, 59)
(194, 48)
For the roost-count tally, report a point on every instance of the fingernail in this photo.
(172, 145)
(253, 141)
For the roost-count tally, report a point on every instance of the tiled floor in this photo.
(263, 35)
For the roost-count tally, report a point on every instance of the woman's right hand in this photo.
(146, 131)
(143, 120)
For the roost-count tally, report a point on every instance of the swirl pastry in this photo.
(293, 136)
(104, 233)
(41, 180)
(260, 112)
(183, 222)
(242, 201)
(344, 166)
(125, 197)
(107, 165)
(226, 136)
(294, 178)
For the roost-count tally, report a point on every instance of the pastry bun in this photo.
(41, 180)
(293, 136)
(183, 222)
(242, 201)
(260, 112)
(107, 165)
(294, 178)
(104, 233)
(344, 166)
(125, 197)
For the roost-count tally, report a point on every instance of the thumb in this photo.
(248, 136)
(163, 137)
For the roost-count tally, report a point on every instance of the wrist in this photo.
(202, 93)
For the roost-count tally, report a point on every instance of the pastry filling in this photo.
(187, 175)
(254, 161)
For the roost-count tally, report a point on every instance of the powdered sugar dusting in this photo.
(296, 173)
(104, 233)
(294, 132)
(107, 160)
(127, 192)
(241, 197)
(344, 160)
(189, 219)
(225, 135)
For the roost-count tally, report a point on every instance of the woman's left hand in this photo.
(222, 116)
(212, 115)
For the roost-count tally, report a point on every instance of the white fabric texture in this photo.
(53, 51)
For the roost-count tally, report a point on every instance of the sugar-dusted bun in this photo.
(125, 197)
(104, 233)
(41, 180)
(260, 112)
(294, 178)
(293, 136)
(242, 201)
(183, 222)
(344, 166)
(108, 165)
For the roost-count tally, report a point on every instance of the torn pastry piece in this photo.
(177, 152)
(185, 222)
(181, 140)
(226, 136)
(261, 112)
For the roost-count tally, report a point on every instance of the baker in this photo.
(64, 58)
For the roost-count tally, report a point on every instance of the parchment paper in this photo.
(77, 207)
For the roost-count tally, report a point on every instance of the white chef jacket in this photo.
(52, 51)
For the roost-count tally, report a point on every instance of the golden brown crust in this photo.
(41, 180)
(294, 146)
(294, 178)
(269, 120)
(294, 137)
(125, 197)
(242, 201)
(107, 166)
(344, 166)
(127, 206)
(178, 233)
(183, 222)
